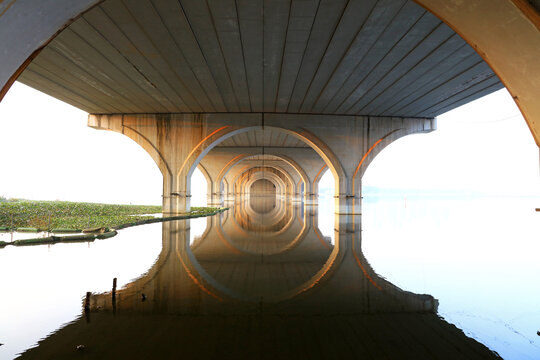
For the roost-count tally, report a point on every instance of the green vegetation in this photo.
(65, 216)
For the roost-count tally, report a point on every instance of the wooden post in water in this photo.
(114, 296)
(87, 302)
(114, 289)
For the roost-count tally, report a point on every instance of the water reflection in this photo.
(261, 282)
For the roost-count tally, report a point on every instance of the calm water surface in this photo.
(276, 279)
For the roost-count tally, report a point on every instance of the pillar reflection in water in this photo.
(260, 282)
(263, 255)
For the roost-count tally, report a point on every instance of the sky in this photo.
(484, 146)
(48, 153)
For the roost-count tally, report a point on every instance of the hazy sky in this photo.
(47, 152)
(483, 146)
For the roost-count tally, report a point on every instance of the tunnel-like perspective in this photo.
(262, 187)
(345, 78)
(265, 97)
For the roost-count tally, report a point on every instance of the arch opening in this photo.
(316, 144)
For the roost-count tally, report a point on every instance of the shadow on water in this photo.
(261, 282)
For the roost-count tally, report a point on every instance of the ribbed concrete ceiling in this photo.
(367, 57)
(260, 138)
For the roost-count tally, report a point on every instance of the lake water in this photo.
(277, 279)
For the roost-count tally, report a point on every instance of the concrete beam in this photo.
(178, 142)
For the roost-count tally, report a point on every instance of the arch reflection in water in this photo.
(261, 282)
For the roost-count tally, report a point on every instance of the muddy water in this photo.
(277, 279)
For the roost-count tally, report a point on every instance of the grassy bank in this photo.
(49, 215)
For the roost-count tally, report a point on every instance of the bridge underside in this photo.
(188, 80)
(278, 91)
(377, 57)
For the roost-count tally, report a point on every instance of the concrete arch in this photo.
(155, 154)
(294, 225)
(506, 34)
(245, 183)
(373, 150)
(281, 214)
(207, 177)
(255, 184)
(279, 184)
(243, 212)
(48, 19)
(260, 169)
(243, 157)
(243, 177)
(320, 174)
(307, 137)
(291, 181)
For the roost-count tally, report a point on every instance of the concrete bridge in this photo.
(304, 86)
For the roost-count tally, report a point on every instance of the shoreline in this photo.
(101, 233)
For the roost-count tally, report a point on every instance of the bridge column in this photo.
(298, 191)
(215, 194)
(165, 141)
(311, 196)
(176, 142)
(348, 144)
(230, 194)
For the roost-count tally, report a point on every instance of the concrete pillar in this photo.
(350, 202)
(215, 195)
(348, 144)
(178, 142)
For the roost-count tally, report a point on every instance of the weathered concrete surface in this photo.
(305, 160)
(138, 57)
(358, 58)
(178, 142)
(302, 162)
(506, 34)
(26, 26)
(347, 78)
(280, 179)
(234, 176)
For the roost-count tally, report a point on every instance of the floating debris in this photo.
(81, 347)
